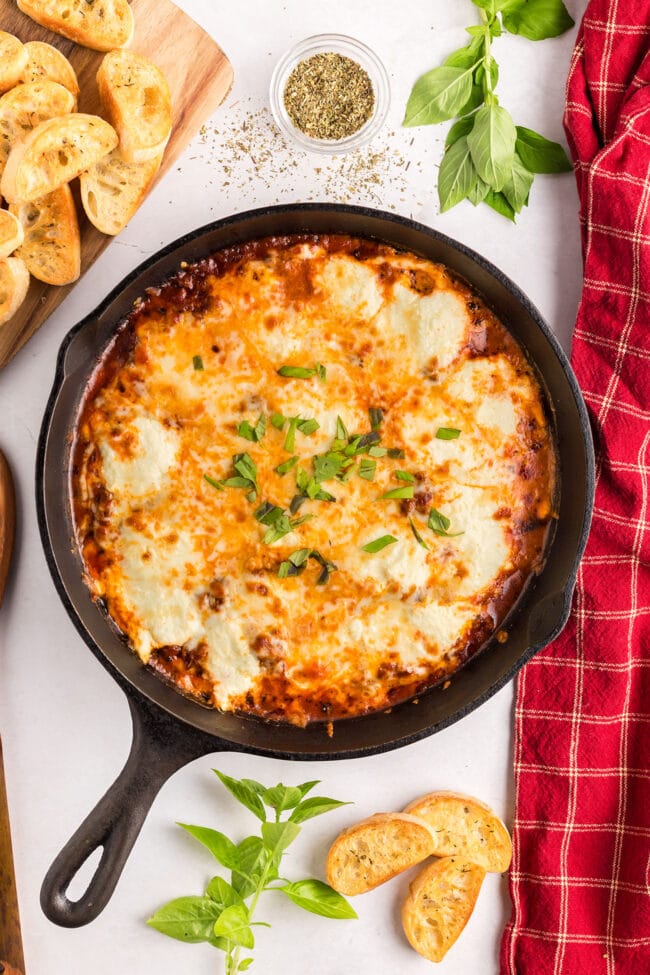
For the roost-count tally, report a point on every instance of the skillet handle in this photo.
(157, 751)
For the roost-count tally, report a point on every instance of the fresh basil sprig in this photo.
(223, 915)
(488, 159)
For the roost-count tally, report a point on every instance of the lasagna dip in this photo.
(311, 476)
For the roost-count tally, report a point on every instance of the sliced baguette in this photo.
(14, 284)
(53, 153)
(13, 60)
(45, 61)
(464, 826)
(439, 905)
(112, 190)
(101, 24)
(136, 100)
(26, 106)
(376, 849)
(51, 249)
(11, 233)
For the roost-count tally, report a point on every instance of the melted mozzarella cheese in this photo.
(184, 566)
(152, 451)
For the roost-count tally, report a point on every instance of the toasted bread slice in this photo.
(112, 190)
(464, 826)
(26, 106)
(440, 903)
(45, 61)
(14, 284)
(136, 100)
(53, 153)
(51, 249)
(376, 849)
(13, 60)
(99, 24)
(11, 233)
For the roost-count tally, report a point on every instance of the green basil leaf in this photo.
(321, 372)
(233, 924)
(306, 787)
(404, 476)
(447, 433)
(439, 523)
(396, 494)
(283, 469)
(475, 100)
(278, 421)
(278, 836)
(417, 536)
(516, 188)
(376, 417)
(221, 848)
(367, 468)
(281, 797)
(255, 786)
(296, 372)
(222, 893)
(438, 95)
(499, 203)
(246, 431)
(243, 793)
(244, 964)
(535, 19)
(341, 430)
(492, 144)
(456, 175)
(315, 806)
(461, 127)
(396, 453)
(479, 75)
(540, 155)
(478, 191)
(189, 919)
(197, 362)
(468, 56)
(318, 898)
(215, 484)
(379, 543)
(307, 427)
(253, 860)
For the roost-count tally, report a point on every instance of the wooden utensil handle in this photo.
(7, 521)
(7, 969)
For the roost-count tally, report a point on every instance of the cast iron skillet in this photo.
(168, 729)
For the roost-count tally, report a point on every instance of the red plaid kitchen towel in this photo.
(580, 879)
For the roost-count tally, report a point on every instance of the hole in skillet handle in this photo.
(113, 825)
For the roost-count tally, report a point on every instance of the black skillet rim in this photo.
(136, 694)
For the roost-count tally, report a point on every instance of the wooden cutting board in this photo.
(199, 76)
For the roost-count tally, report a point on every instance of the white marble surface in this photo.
(64, 723)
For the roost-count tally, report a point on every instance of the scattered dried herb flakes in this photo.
(329, 96)
(251, 159)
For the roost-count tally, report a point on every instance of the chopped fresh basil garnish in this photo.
(439, 523)
(376, 417)
(197, 362)
(379, 543)
(308, 426)
(376, 451)
(396, 494)
(404, 476)
(215, 484)
(283, 469)
(367, 468)
(278, 420)
(290, 439)
(254, 434)
(447, 433)
(296, 372)
(321, 371)
(418, 537)
(341, 430)
(396, 453)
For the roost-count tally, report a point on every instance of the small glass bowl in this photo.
(324, 44)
